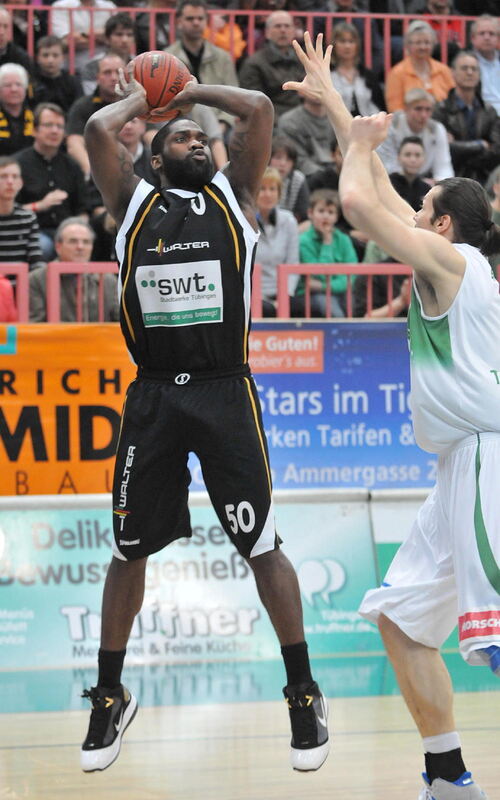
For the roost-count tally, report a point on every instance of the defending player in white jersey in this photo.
(449, 565)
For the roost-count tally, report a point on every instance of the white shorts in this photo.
(448, 567)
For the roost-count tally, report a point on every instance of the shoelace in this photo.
(100, 714)
(303, 719)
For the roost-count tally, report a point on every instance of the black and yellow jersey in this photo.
(185, 277)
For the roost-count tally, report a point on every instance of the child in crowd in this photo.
(407, 182)
(52, 83)
(323, 243)
(294, 190)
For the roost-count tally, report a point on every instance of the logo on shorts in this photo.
(121, 510)
(479, 623)
(182, 378)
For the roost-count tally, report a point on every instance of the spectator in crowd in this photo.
(484, 35)
(473, 126)
(308, 127)
(294, 194)
(131, 136)
(407, 182)
(323, 243)
(381, 305)
(84, 107)
(328, 177)
(54, 186)
(80, 24)
(8, 310)
(278, 241)
(275, 62)
(208, 63)
(160, 26)
(432, 10)
(377, 41)
(51, 83)
(495, 213)
(225, 35)
(11, 53)
(416, 120)
(22, 22)
(357, 85)
(19, 233)
(16, 116)
(73, 240)
(119, 41)
(418, 69)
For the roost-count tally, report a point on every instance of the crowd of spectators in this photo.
(439, 74)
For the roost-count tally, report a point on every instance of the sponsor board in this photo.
(201, 602)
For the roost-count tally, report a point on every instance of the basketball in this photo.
(163, 76)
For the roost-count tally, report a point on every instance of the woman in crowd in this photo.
(294, 189)
(357, 85)
(278, 242)
(418, 69)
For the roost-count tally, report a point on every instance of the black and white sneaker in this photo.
(308, 718)
(112, 712)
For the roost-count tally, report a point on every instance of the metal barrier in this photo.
(285, 270)
(57, 268)
(251, 20)
(20, 270)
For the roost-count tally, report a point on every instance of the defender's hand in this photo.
(370, 131)
(317, 66)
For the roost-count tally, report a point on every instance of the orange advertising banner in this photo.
(61, 394)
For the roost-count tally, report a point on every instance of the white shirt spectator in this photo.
(437, 162)
(490, 80)
(82, 23)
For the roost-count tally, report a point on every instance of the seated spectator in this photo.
(278, 241)
(208, 63)
(51, 83)
(418, 69)
(495, 213)
(407, 182)
(473, 126)
(294, 190)
(131, 137)
(225, 35)
(310, 130)
(485, 38)
(8, 310)
(328, 177)
(160, 27)
(19, 233)
(416, 120)
(268, 68)
(81, 26)
(11, 53)
(323, 243)
(357, 85)
(16, 116)
(22, 22)
(398, 306)
(84, 107)
(432, 10)
(119, 41)
(359, 25)
(73, 240)
(54, 186)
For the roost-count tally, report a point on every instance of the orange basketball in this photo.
(163, 76)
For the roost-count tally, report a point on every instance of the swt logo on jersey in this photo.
(180, 294)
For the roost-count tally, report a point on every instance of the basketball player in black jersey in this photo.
(186, 253)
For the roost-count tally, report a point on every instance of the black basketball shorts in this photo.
(218, 419)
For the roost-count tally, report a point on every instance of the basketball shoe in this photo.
(308, 718)
(112, 712)
(463, 788)
(491, 657)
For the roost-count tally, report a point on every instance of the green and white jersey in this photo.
(455, 360)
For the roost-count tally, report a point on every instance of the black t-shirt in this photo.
(81, 111)
(62, 90)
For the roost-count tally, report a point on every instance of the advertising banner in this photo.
(201, 602)
(334, 398)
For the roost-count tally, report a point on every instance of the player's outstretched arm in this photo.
(317, 85)
(110, 162)
(431, 255)
(250, 142)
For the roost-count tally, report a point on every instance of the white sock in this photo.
(441, 743)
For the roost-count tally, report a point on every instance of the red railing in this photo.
(57, 268)
(251, 20)
(20, 271)
(307, 270)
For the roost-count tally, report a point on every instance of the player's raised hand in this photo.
(370, 130)
(182, 101)
(127, 84)
(317, 66)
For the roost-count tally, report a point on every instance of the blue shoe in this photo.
(491, 655)
(463, 788)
